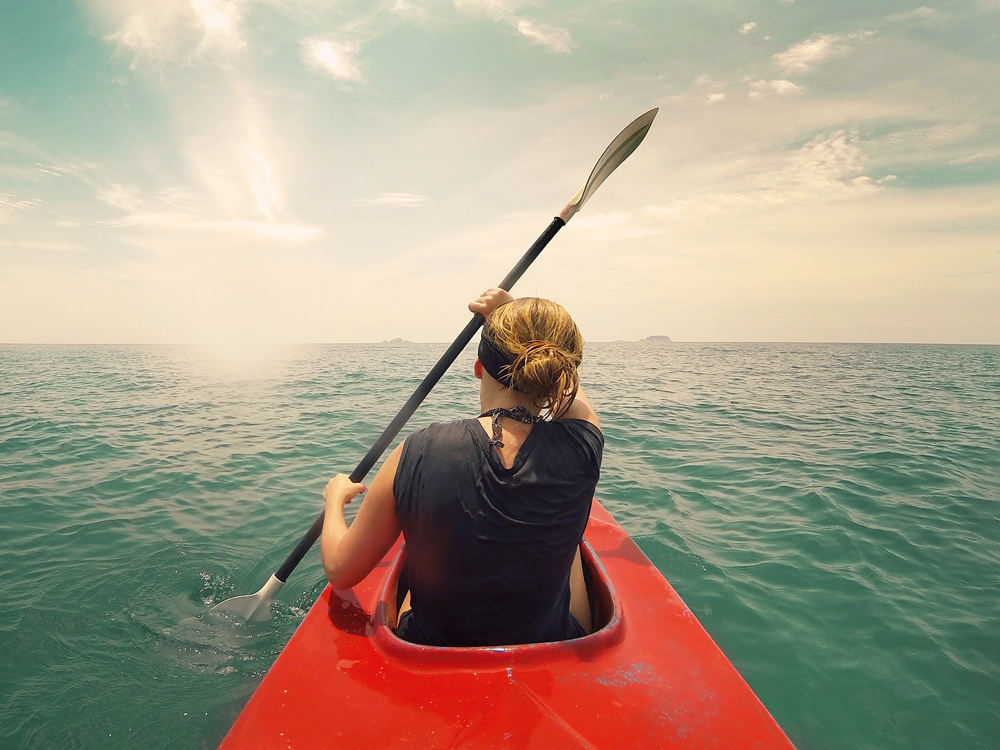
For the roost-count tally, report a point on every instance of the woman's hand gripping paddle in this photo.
(258, 606)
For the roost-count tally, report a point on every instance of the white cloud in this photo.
(179, 210)
(404, 200)
(802, 57)
(121, 197)
(780, 87)
(784, 87)
(219, 20)
(495, 9)
(830, 167)
(238, 229)
(826, 166)
(505, 11)
(921, 13)
(555, 39)
(409, 10)
(12, 205)
(162, 30)
(748, 27)
(336, 59)
(916, 141)
(712, 92)
(977, 157)
(129, 199)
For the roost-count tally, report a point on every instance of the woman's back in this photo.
(489, 548)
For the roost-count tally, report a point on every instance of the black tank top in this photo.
(489, 549)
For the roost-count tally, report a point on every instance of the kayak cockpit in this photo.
(604, 603)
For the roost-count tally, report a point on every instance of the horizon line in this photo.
(392, 342)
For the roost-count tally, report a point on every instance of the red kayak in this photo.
(649, 677)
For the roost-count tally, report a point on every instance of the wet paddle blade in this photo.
(252, 607)
(619, 150)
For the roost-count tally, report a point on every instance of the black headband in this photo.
(495, 361)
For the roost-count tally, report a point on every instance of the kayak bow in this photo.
(650, 676)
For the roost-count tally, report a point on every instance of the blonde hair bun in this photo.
(545, 349)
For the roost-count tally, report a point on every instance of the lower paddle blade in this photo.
(252, 607)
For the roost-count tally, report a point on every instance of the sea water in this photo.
(831, 514)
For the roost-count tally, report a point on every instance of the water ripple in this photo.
(831, 513)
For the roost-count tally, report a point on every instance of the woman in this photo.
(492, 509)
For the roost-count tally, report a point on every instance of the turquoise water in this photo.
(831, 513)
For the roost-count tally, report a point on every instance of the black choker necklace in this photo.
(518, 413)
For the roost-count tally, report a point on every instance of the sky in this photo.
(266, 171)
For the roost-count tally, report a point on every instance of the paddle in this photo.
(258, 606)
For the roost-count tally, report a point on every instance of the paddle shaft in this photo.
(431, 379)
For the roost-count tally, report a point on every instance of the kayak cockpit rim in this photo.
(605, 603)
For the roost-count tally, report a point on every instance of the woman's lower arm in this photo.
(339, 491)
(334, 528)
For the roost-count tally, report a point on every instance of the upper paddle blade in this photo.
(619, 150)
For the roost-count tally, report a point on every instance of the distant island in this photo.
(397, 342)
(659, 339)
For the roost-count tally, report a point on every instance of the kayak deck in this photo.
(649, 677)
